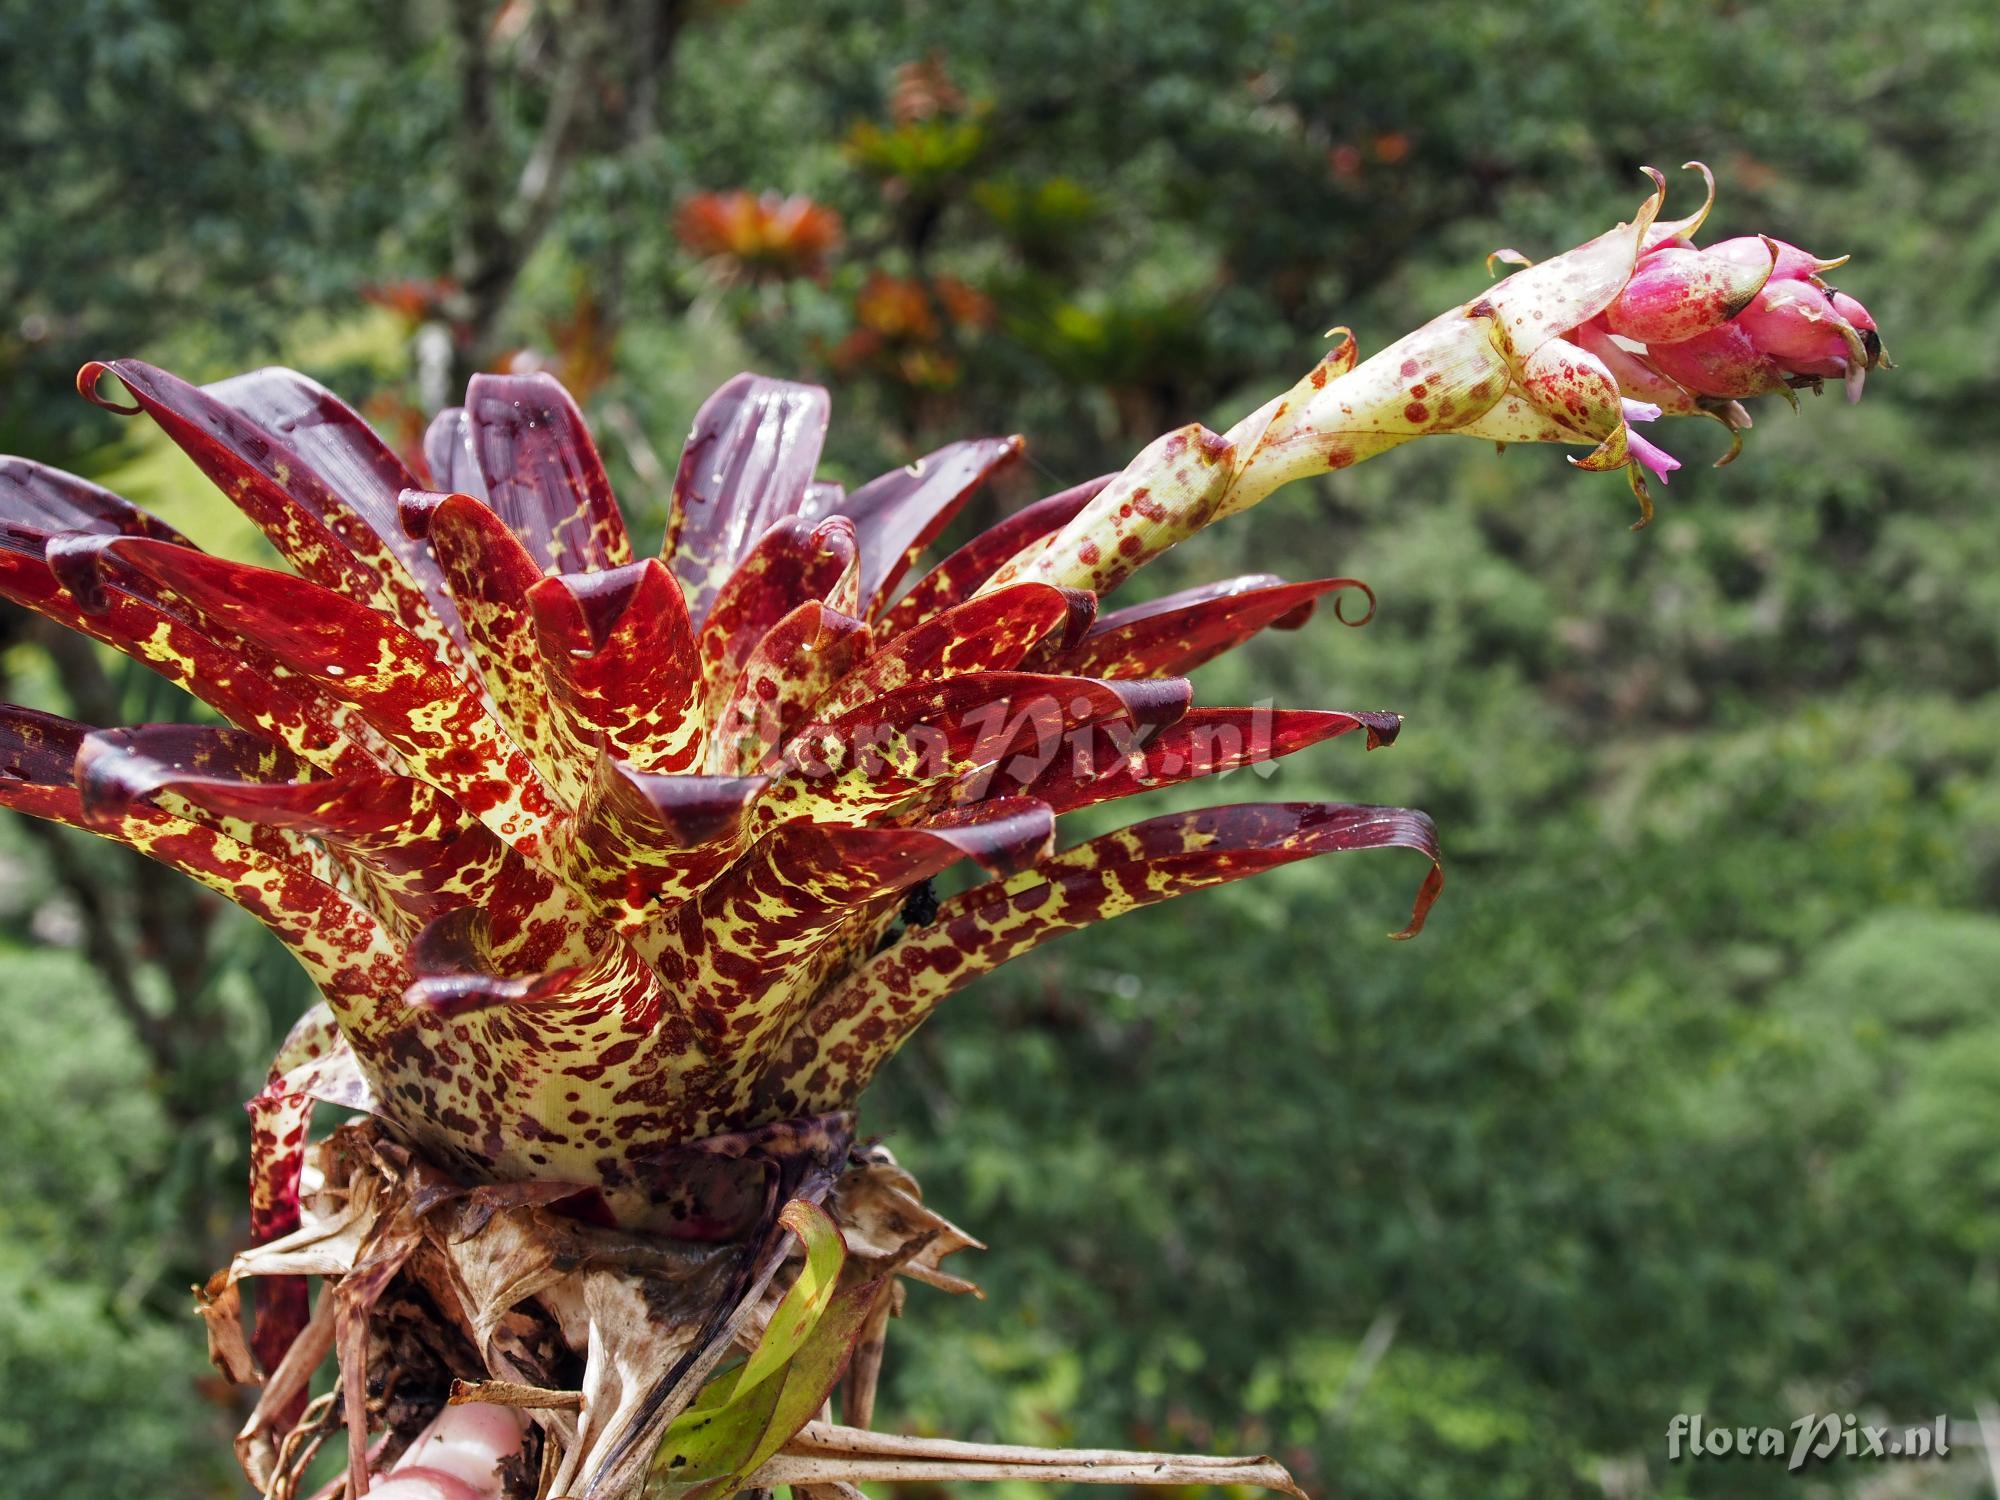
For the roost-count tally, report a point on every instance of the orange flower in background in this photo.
(967, 307)
(900, 327)
(903, 307)
(765, 234)
(896, 307)
(934, 135)
(1391, 147)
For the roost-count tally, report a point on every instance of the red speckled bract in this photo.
(598, 855)
(586, 851)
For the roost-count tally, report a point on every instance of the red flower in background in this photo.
(905, 328)
(759, 234)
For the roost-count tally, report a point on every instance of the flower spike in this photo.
(1637, 312)
(620, 876)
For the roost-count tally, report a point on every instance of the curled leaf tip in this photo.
(1695, 220)
(87, 381)
(1340, 603)
(1382, 727)
(1643, 495)
(1420, 911)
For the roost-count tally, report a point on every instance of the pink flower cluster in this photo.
(1700, 329)
(1797, 330)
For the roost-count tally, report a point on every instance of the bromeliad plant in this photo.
(616, 871)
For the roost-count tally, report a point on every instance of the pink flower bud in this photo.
(1675, 294)
(1794, 322)
(1791, 263)
(1661, 462)
(1804, 326)
(1724, 362)
(1858, 318)
(1854, 312)
(1637, 379)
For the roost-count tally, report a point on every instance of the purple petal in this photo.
(1659, 461)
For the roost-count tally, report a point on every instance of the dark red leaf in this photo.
(794, 665)
(992, 633)
(792, 563)
(339, 943)
(448, 453)
(898, 514)
(1205, 742)
(48, 518)
(746, 465)
(1171, 636)
(543, 476)
(618, 657)
(426, 711)
(838, 1046)
(38, 502)
(641, 843)
(490, 575)
(312, 1054)
(601, 1067)
(958, 577)
(314, 527)
(743, 955)
(823, 498)
(348, 457)
(925, 739)
(415, 853)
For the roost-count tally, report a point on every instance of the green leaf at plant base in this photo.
(743, 1417)
(806, 1299)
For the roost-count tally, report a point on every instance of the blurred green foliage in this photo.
(1685, 1100)
(102, 1390)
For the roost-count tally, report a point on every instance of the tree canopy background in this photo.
(1686, 1099)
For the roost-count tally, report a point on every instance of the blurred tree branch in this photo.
(611, 59)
